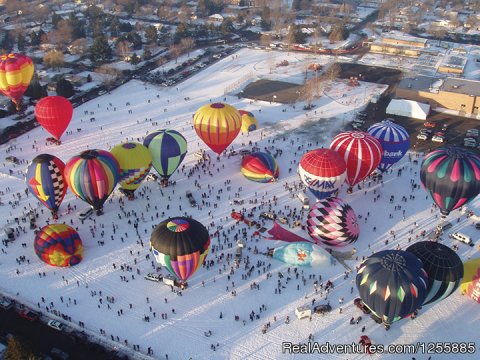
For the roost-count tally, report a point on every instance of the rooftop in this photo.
(419, 82)
(461, 86)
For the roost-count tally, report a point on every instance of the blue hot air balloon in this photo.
(394, 139)
(301, 254)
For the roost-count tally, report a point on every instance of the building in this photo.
(399, 45)
(451, 93)
(453, 63)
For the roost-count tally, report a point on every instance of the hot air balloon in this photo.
(394, 139)
(393, 284)
(260, 167)
(362, 154)
(249, 122)
(168, 149)
(323, 171)
(451, 176)
(92, 176)
(301, 254)
(333, 223)
(443, 266)
(54, 113)
(471, 280)
(181, 245)
(58, 245)
(217, 125)
(45, 180)
(135, 162)
(16, 71)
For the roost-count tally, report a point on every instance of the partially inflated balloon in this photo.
(451, 176)
(393, 284)
(361, 151)
(249, 122)
(260, 167)
(58, 245)
(45, 180)
(135, 162)
(168, 149)
(303, 254)
(217, 125)
(92, 176)
(333, 223)
(471, 280)
(16, 71)
(54, 113)
(394, 139)
(323, 171)
(181, 245)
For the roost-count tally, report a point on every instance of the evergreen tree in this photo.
(151, 34)
(100, 51)
(65, 88)
(21, 42)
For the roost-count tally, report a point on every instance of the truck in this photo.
(303, 312)
(304, 200)
(191, 199)
(171, 281)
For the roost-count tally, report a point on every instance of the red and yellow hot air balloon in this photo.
(54, 113)
(58, 245)
(16, 71)
(217, 125)
(470, 285)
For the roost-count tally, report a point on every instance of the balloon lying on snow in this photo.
(54, 113)
(217, 125)
(58, 245)
(181, 245)
(92, 176)
(45, 180)
(471, 280)
(392, 283)
(394, 139)
(361, 151)
(168, 149)
(333, 223)
(260, 167)
(301, 254)
(443, 267)
(16, 71)
(323, 171)
(451, 176)
(249, 122)
(135, 162)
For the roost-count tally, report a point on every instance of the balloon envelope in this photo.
(249, 122)
(361, 151)
(54, 113)
(45, 180)
(58, 245)
(451, 176)
(217, 125)
(301, 253)
(394, 139)
(471, 280)
(16, 71)
(92, 176)
(392, 283)
(260, 167)
(168, 149)
(135, 162)
(323, 171)
(333, 223)
(443, 266)
(181, 245)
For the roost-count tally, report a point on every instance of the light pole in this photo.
(274, 98)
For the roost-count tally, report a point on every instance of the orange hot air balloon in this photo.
(16, 71)
(217, 125)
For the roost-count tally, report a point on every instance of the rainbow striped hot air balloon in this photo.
(249, 122)
(181, 245)
(135, 162)
(92, 176)
(260, 167)
(46, 181)
(471, 279)
(217, 125)
(58, 245)
(16, 71)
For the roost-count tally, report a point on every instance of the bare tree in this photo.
(62, 35)
(53, 59)
(79, 47)
(110, 75)
(187, 44)
(123, 49)
(175, 51)
(265, 40)
(333, 72)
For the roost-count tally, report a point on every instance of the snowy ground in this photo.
(181, 336)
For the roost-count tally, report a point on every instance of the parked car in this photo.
(153, 277)
(59, 354)
(462, 237)
(422, 136)
(444, 127)
(429, 124)
(12, 159)
(444, 226)
(30, 315)
(267, 215)
(6, 303)
(437, 138)
(85, 214)
(57, 325)
(426, 131)
(191, 199)
(322, 309)
(359, 304)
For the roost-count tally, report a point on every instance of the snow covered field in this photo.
(135, 109)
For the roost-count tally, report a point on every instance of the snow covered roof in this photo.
(408, 108)
(419, 82)
(461, 86)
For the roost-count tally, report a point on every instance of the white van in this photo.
(85, 214)
(304, 200)
(303, 312)
(462, 237)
